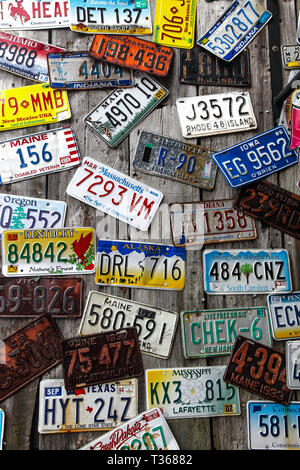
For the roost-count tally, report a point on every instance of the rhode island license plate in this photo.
(284, 312)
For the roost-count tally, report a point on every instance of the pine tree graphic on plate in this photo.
(18, 216)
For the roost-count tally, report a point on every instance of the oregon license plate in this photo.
(48, 251)
(134, 264)
(115, 193)
(293, 364)
(2, 419)
(284, 312)
(290, 57)
(155, 327)
(114, 118)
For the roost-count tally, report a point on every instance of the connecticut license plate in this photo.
(2, 418)
(290, 56)
(284, 312)
(292, 349)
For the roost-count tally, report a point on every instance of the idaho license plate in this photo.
(134, 264)
(2, 418)
(155, 327)
(48, 251)
(290, 57)
(284, 312)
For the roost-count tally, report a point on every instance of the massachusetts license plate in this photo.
(170, 158)
(246, 271)
(210, 333)
(293, 364)
(115, 193)
(256, 158)
(221, 113)
(95, 408)
(114, 118)
(290, 57)
(284, 312)
(235, 29)
(2, 419)
(155, 327)
(134, 264)
(197, 392)
(48, 251)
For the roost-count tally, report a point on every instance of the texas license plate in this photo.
(114, 118)
(246, 271)
(235, 29)
(155, 327)
(290, 57)
(221, 113)
(115, 193)
(134, 264)
(95, 408)
(284, 312)
(292, 349)
(197, 392)
(48, 251)
(2, 418)
(179, 161)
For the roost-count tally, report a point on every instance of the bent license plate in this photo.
(170, 158)
(256, 158)
(221, 113)
(2, 418)
(94, 408)
(284, 312)
(130, 201)
(48, 251)
(235, 29)
(210, 333)
(290, 57)
(191, 392)
(114, 118)
(134, 264)
(28, 353)
(155, 327)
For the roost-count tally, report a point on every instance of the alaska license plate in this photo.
(222, 113)
(134, 264)
(179, 161)
(114, 118)
(155, 327)
(115, 193)
(292, 349)
(2, 419)
(48, 251)
(290, 57)
(284, 312)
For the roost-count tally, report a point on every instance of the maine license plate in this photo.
(284, 312)
(95, 408)
(179, 161)
(293, 364)
(2, 418)
(221, 113)
(290, 57)
(115, 193)
(210, 333)
(155, 327)
(197, 392)
(246, 271)
(48, 251)
(114, 118)
(235, 29)
(256, 158)
(134, 264)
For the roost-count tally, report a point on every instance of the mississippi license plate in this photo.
(2, 418)
(197, 392)
(290, 56)
(117, 194)
(210, 333)
(246, 271)
(48, 251)
(256, 158)
(114, 118)
(293, 364)
(95, 408)
(155, 327)
(170, 158)
(134, 264)
(235, 29)
(221, 113)
(284, 312)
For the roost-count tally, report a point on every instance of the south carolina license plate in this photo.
(284, 312)
(290, 57)
(292, 349)
(2, 418)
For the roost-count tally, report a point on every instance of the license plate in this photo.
(94, 408)
(179, 161)
(197, 392)
(2, 418)
(48, 251)
(210, 333)
(284, 311)
(134, 264)
(246, 271)
(114, 118)
(221, 113)
(290, 57)
(256, 158)
(117, 194)
(235, 29)
(155, 327)
(293, 364)
(28, 353)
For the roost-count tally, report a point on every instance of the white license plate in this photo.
(293, 364)
(221, 113)
(284, 312)
(290, 57)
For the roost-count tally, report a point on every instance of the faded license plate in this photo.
(2, 419)
(284, 312)
(293, 364)
(290, 56)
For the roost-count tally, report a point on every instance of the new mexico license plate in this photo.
(284, 312)
(290, 57)
(292, 349)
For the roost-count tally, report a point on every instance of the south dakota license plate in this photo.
(284, 312)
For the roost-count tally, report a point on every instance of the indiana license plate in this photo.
(2, 419)
(134, 264)
(115, 193)
(284, 312)
(221, 113)
(179, 161)
(290, 57)
(292, 349)
(114, 118)
(48, 251)
(155, 327)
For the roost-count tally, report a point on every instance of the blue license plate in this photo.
(1, 427)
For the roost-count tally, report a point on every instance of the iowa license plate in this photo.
(290, 57)
(292, 349)
(284, 312)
